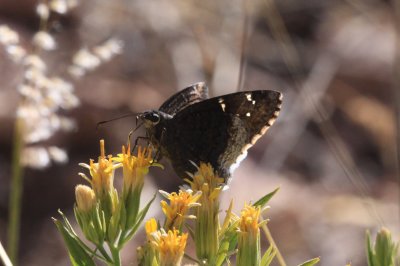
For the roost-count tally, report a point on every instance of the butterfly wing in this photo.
(219, 130)
(182, 99)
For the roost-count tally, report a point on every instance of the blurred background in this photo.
(332, 150)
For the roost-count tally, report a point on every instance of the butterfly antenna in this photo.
(114, 119)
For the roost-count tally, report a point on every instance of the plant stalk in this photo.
(272, 242)
(15, 197)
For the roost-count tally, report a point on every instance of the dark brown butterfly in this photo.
(191, 128)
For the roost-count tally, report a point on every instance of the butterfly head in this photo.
(154, 122)
(150, 118)
(153, 118)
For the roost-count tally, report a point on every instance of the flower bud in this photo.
(85, 198)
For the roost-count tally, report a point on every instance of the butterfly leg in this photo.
(137, 142)
(158, 155)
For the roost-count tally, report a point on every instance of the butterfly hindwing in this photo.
(220, 129)
(188, 96)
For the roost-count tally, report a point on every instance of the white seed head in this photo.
(67, 124)
(76, 71)
(61, 85)
(86, 60)
(108, 49)
(70, 101)
(16, 52)
(35, 62)
(57, 154)
(36, 77)
(104, 53)
(30, 92)
(59, 6)
(39, 132)
(8, 36)
(44, 40)
(35, 157)
(43, 11)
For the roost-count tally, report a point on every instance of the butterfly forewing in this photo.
(219, 130)
(188, 96)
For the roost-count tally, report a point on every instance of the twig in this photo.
(396, 89)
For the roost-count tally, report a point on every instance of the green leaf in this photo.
(370, 252)
(68, 227)
(268, 256)
(77, 254)
(140, 217)
(222, 253)
(310, 262)
(264, 200)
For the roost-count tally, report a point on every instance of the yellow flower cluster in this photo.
(135, 167)
(101, 206)
(167, 247)
(178, 207)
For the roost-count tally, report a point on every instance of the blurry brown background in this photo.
(336, 166)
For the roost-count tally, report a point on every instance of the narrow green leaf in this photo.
(268, 256)
(222, 253)
(370, 252)
(139, 220)
(264, 200)
(77, 254)
(67, 226)
(310, 262)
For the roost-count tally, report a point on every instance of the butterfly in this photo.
(190, 127)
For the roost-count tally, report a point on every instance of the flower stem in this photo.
(15, 194)
(272, 242)
(104, 253)
(116, 256)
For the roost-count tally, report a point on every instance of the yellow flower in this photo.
(102, 173)
(178, 207)
(85, 198)
(249, 236)
(249, 219)
(151, 227)
(170, 247)
(206, 181)
(135, 168)
(207, 227)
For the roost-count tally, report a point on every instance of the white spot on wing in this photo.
(248, 96)
(223, 106)
(253, 102)
(248, 114)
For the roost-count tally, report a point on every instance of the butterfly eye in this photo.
(153, 118)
